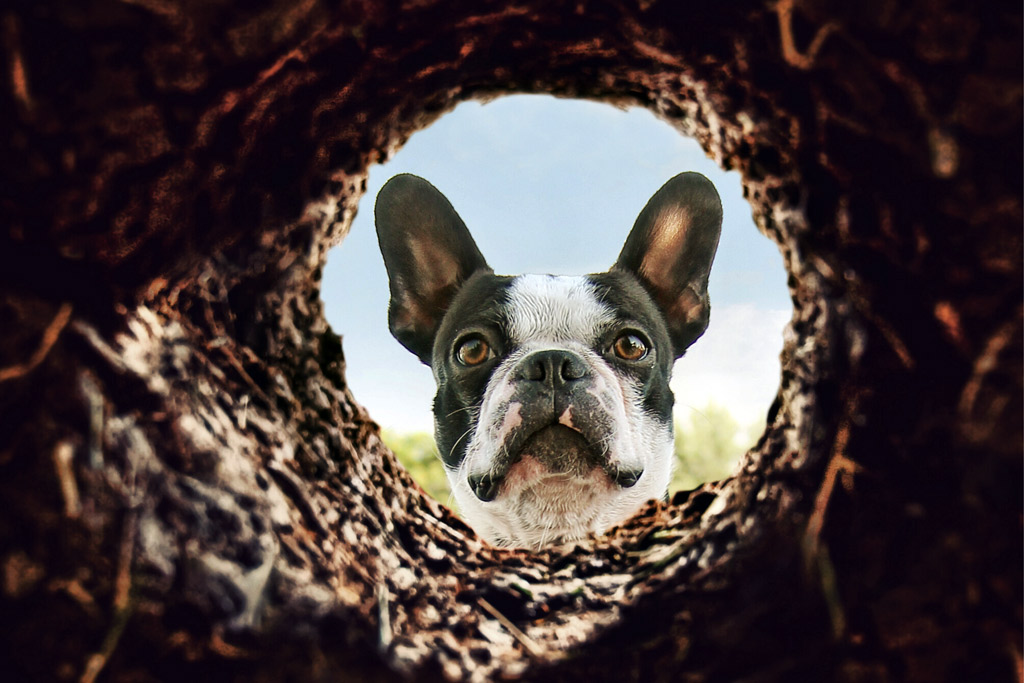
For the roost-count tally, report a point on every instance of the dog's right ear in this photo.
(428, 253)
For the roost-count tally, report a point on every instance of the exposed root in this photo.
(817, 561)
(63, 454)
(122, 605)
(50, 336)
(801, 60)
(531, 647)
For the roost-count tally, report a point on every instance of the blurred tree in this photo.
(418, 454)
(708, 444)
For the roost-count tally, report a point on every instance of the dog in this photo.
(553, 413)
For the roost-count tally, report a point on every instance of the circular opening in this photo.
(554, 186)
(219, 482)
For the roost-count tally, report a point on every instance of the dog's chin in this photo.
(544, 507)
(555, 487)
(558, 487)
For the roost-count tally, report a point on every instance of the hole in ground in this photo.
(553, 186)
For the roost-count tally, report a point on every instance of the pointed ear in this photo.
(670, 250)
(428, 253)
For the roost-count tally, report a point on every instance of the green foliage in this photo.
(708, 444)
(418, 454)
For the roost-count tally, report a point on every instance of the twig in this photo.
(524, 640)
(243, 404)
(839, 464)
(793, 56)
(96, 403)
(74, 589)
(830, 590)
(93, 338)
(122, 605)
(384, 632)
(236, 364)
(18, 73)
(50, 335)
(226, 649)
(986, 362)
(816, 558)
(63, 454)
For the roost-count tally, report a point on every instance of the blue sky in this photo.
(553, 186)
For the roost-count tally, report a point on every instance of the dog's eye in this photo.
(473, 351)
(630, 347)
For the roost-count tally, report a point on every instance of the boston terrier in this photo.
(553, 412)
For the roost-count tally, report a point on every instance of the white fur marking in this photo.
(556, 308)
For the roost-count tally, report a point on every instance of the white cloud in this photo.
(735, 364)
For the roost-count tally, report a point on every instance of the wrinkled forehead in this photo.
(555, 309)
(548, 308)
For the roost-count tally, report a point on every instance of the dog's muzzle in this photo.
(562, 423)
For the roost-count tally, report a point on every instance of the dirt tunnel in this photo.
(190, 490)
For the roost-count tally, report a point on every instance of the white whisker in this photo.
(459, 410)
(456, 444)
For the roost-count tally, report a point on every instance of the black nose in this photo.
(554, 367)
(484, 486)
(627, 478)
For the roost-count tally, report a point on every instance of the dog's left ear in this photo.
(428, 253)
(671, 248)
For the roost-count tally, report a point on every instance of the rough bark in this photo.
(189, 489)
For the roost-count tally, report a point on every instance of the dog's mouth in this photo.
(554, 449)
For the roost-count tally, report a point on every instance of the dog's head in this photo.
(553, 412)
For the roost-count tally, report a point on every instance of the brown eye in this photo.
(630, 347)
(473, 351)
